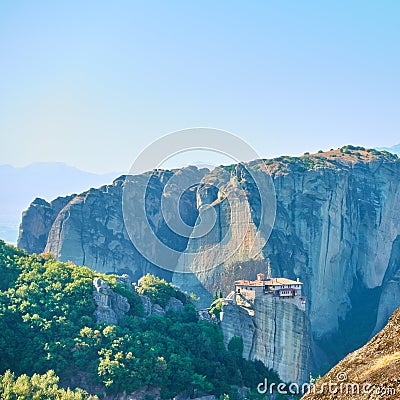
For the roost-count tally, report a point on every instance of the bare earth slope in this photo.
(374, 368)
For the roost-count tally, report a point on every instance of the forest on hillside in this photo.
(50, 341)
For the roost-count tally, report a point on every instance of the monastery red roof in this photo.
(269, 282)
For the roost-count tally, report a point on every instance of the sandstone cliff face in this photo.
(88, 229)
(37, 221)
(278, 335)
(236, 241)
(337, 227)
(390, 297)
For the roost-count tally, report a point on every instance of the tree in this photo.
(235, 346)
(37, 387)
(159, 290)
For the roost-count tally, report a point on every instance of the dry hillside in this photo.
(374, 369)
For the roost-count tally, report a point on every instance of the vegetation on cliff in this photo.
(343, 157)
(47, 324)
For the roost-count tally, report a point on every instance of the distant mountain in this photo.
(19, 186)
(394, 149)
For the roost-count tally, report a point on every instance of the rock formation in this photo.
(111, 307)
(337, 227)
(278, 335)
(150, 308)
(390, 297)
(37, 221)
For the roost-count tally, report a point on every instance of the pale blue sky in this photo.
(91, 83)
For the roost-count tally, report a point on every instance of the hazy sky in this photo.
(91, 83)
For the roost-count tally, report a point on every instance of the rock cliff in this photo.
(337, 227)
(111, 307)
(88, 229)
(278, 335)
(37, 221)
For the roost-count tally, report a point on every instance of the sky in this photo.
(93, 83)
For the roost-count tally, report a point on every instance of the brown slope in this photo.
(377, 364)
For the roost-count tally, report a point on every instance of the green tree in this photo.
(37, 387)
(235, 346)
